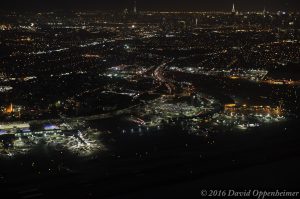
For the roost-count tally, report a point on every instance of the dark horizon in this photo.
(165, 5)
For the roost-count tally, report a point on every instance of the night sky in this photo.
(161, 5)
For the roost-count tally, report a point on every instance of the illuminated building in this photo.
(50, 127)
(3, 132)
(233, 11)
(134, 8)
(10, 109)
(14, 128)
(229, 106)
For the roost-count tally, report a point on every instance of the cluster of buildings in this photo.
(25, 129)
(97, 63)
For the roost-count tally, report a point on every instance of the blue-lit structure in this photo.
(50, 127)
(3, 132)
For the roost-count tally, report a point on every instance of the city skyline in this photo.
(166, 5)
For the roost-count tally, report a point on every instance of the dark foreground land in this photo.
(267, 159)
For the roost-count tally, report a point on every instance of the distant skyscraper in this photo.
(233, 9)
(125, 12)
(134, 8)
(264, 11)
